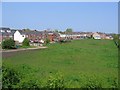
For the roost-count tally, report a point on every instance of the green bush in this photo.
(116, 40)
(119, 44)
(89, 81)
(25, 77)
(64, 41)
(55, 81)
(18, 78)
(47, 40)
(8, 44)
(26, 42)
(29, 82)
(113, 81)
(93, 83)
(10, 77)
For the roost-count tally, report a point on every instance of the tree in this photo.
(26, 30)
(61, 32)
(116, 39)
(26, 42)
(8, 44)
(47, 40)
(119, 41)
(69, 30)
(56, 31)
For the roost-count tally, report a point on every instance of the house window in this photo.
(22, 35)
(8, 31)
(2, 31)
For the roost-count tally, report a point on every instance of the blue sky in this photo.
(80, 16)
(59, 0)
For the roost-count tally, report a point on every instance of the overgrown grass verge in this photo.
(17, 78)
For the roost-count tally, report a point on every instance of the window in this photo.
(10, 36)
(8, 31)
(2, 31)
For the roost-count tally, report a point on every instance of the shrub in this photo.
(119, 44)
(113, 82)
(29, 82)
(26, 78)
(64, 41)
(17, 78)
(8, 44)
(90, 82)
(26, 42)
(61, 41)
(116, 40)
(55, 81)
(47, 40)
(10, 77)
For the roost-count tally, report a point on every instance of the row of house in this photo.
(82, 35)
(99, 35)
(6, 33)
(20, 35)
(39, 36)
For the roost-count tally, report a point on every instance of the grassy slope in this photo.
(98, 57)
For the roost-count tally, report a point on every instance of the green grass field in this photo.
(92, 58)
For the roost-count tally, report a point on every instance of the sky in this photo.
(59, 0)
(80, 16)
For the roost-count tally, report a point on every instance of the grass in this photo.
(89, 57)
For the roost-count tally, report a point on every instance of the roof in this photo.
(96, 34)
(4, 28)
(5, 33)
(30, 32)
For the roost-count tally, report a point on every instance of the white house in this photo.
(96, 36)
(19, 36)
(42, 41)
(62, 35)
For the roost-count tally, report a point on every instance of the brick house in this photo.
(33, 36)
(6, 33)
(51, 35)
(96, 35)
